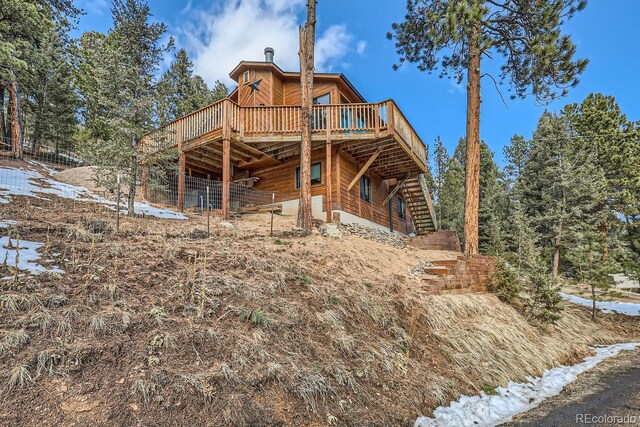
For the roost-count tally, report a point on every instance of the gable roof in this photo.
(339, 78)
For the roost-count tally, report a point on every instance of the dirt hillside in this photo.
(162, 325)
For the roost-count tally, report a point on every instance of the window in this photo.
(365, 188)
(402, 209)
(319, 115)
(322, 99)
(246, 77)
(316, 174)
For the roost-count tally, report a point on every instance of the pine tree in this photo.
(493, 198)
(454, 35)
(125, 70)
(51, 97)
(560, 188)
(605, 131)
(440, 160)
(23, 25)
(88, 84)
(451, 202)
(180, 91)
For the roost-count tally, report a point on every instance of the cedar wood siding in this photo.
(281, 179)
(274, 91)
(258, 97)
(350, 200)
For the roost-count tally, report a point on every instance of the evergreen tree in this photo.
(516, 155)
(125, 69)
(451, 200)
(454, 35)
(440, 162)
(605, 131)
(91, 109)
(181, 92)
(52, 100)
(560, 188)
(493, 200)
(23, 25)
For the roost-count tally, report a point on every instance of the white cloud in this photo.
(333, 45)
(94, 7)
(187, 8)
(361, 47)
(455, 87)
(219, 38)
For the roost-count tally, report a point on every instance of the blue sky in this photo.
(351, 39)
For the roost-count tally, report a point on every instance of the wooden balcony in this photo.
(267, 135)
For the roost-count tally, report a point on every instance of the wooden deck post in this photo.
(226, 159)
(328, 186)
(226, 176)
(182, 164)
(181, 184)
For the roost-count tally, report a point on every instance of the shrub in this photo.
(505, 284)
(544, 298)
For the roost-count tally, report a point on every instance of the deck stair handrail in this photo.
(341, 119)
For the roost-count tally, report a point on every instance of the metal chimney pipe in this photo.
(268, 54)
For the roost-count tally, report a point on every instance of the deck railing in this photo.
(336, 119)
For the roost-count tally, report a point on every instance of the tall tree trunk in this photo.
(134, 178)
(594, 308)
(307, 46)
(558, 239)
(16, 128)
(556, 258)
(14, 102)
(472, 169)
(603, 231)
(3, 128)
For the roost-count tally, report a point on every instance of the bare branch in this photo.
(497, 88)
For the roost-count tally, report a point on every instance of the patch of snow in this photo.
(18, 182)
(6, 223)
(628, 308)
(141, 208)
(46, 167)
(27, 254)
(487, 410)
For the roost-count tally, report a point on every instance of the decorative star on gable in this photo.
(254, 85)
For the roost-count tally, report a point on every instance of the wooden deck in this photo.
(267, 135)
(225, 138)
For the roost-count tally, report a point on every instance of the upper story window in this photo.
(322, 99)
(402, 209)
(246, 76)
(316, 174)
(365, 188)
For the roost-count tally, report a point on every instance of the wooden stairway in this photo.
(416, 195)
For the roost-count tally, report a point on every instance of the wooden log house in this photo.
(367, 160)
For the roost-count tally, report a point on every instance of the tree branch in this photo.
(497, 88)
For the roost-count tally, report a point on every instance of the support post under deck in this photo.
(226, 158)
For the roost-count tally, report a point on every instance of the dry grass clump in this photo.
(313, 387)
(14, 303)
(490, 340)
(14, 340)
(110, 322)
(19, 376)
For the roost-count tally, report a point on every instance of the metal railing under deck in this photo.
(339, 120)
